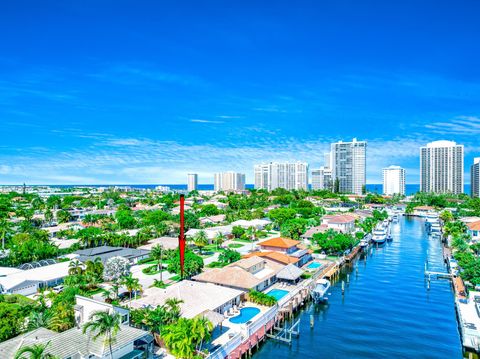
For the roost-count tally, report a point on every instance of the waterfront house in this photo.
(474, 230)
(344, 223)
(422, 211)
(197, 297)
(278, 257)
(308, 235)
(246, 274)
(106, 252)
(288, 246)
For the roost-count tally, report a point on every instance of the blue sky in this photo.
(147, 91)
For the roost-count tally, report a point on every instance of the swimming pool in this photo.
(245, 315)
(314, 265)
(278, 293)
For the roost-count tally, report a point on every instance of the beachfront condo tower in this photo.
(192, 182)
(393, 180)
(348, 163)
(441, 167)
(288, 175)
(475, 178)
(229, 181)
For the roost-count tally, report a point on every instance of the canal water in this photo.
(386, 311)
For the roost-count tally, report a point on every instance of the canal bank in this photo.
(386, 310)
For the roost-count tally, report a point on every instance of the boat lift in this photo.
(284, 334)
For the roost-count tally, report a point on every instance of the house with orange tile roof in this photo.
(287, 246)
(474, 230)
(278, 257)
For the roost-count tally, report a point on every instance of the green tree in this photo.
(132, 284)
(280, 215)
(229, 256)
(193, 263)
(294, 228)
(36, 351)
(237, 231)
(63, 216)
(104, 324)
(157, 254)
(201, 240)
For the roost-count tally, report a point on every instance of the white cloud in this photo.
(196, 120)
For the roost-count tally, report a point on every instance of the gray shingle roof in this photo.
(70, 342)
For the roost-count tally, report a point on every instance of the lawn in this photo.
(235, 245)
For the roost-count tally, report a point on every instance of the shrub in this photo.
(261, 298)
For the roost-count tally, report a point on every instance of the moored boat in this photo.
(320, 290)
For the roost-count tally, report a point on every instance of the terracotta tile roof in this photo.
(341, 218)
(474, 226)
(274, 256)
(279, 242)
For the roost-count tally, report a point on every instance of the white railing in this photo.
(260, 322)
(227, 348)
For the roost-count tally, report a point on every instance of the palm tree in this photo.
(132, 284)
(104, 324)
(36, 351)
(201, 331)
(75, 267)
(39, 319)
(219, 239)
(157, 254)
(200, 240)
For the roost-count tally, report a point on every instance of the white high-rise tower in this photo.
(348, 161)
(441, 167)
(394, 180)
(192, 182)
(288, 175)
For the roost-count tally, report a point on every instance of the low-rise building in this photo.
(287, 246)
(131, 343)
(252, 273)
(29, 281)
(105, 252)
(474, 230)
(197, 297)
(342, 222)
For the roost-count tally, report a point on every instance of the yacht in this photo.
(379, 235)
(320, 290)
(395, 218)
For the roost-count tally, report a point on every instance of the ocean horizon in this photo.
(371, 187)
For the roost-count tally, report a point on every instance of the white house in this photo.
(343, 222)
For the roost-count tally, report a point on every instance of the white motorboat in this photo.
(320, 290)
(379, 235)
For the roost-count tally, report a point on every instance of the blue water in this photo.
(314, 265)
(245, 315)
(387, 311)
(278, 293)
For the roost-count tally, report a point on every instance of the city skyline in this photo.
(136, 106)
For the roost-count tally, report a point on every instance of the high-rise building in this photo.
(322, 178)
(348, 163)
(229, 181)
(475, 178)
(288, 175)
(441, 167)
(192, 182)
(393, 180)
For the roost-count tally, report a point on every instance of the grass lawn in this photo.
(94, 291)
(175, 278)
(235, 245)
(242, 240)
